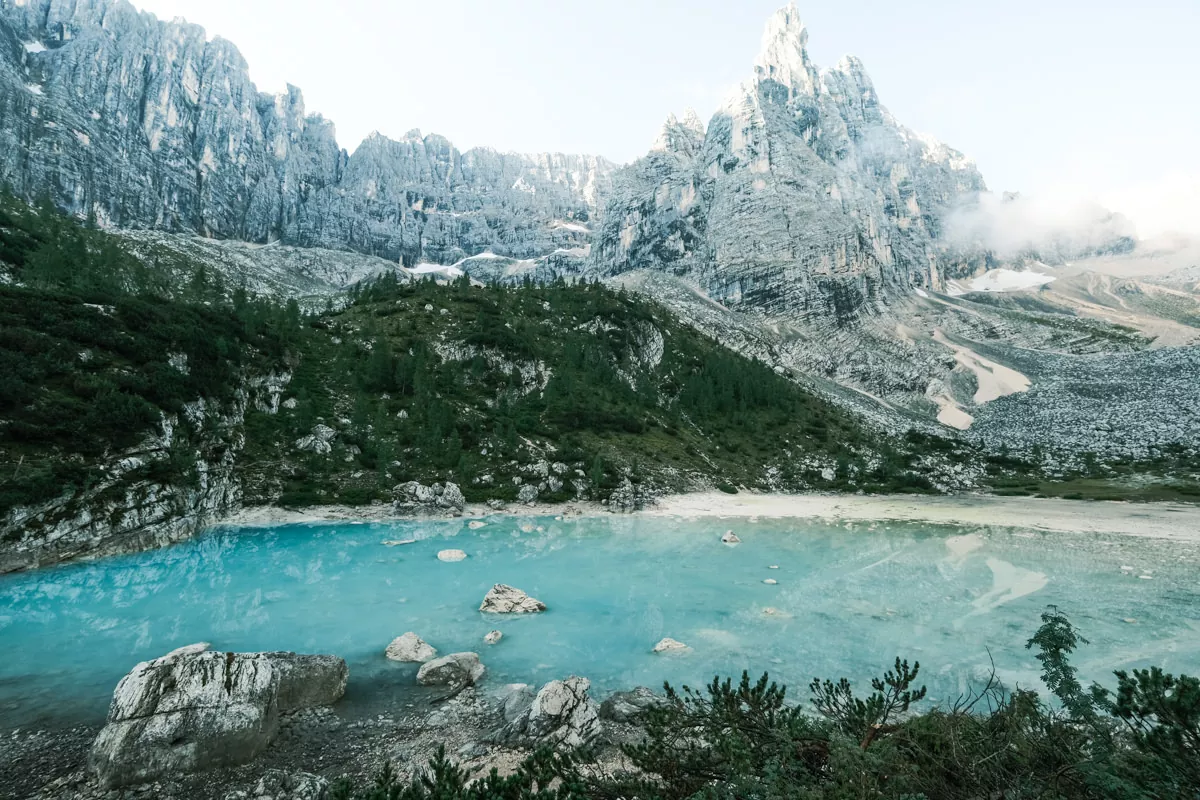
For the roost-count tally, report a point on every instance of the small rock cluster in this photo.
(415, 498)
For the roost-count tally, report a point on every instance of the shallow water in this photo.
(849, 599)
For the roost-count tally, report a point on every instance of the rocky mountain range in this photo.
(139, 123)
(802, 224)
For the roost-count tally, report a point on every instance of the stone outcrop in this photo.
(628, 706)
(277, 784)
(439, 499)
(411, 648)
(504, 599)
(456, 669)
(320, 441)
(188, 712)
(561, 715)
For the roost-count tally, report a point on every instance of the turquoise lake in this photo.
(849, 599)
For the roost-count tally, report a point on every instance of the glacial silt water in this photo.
(849, 598)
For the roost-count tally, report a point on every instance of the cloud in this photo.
(1049, 226)
(1166, 204)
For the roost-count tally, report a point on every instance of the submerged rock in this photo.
(504, 599)
(189, 712)
(730, 538)
(561, 715)
(476, 524)
(451, 555)
(410, 648)
(493, 637)
(456, 669)
(669, 645)
(627, 706)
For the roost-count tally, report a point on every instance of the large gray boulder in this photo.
(505, 599)
(561, 715)
(192, 711)
(456, 669)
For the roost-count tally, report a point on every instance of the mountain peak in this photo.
(784, 54)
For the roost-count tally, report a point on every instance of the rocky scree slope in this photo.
(139, 123)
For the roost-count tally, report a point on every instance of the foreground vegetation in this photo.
(744, 740)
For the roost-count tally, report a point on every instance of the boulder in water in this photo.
(456, 669)
(505, 599)
(493, 636)
(410, 648)
(730, 538)
(669, 645)
(451, 555)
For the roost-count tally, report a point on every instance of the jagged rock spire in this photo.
(784, 54)
(684, 136)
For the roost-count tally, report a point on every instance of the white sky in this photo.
(1078, 98)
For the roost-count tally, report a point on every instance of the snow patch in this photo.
(34, 88)
(448, 270)
(921, 292)
(34, 47)
(574, 227)
(1007, 280)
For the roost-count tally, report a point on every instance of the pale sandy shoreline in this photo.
(1156, 520)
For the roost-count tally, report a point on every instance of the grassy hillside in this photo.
(479, 384)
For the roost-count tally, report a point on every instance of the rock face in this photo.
(456, 669)
(561, 715)
(148, 124)
(188, 712)
(410, 647)
(416, 498)
(627, 706)
(504, 599)
(802, 193)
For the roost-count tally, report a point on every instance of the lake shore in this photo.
(1174, 521)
